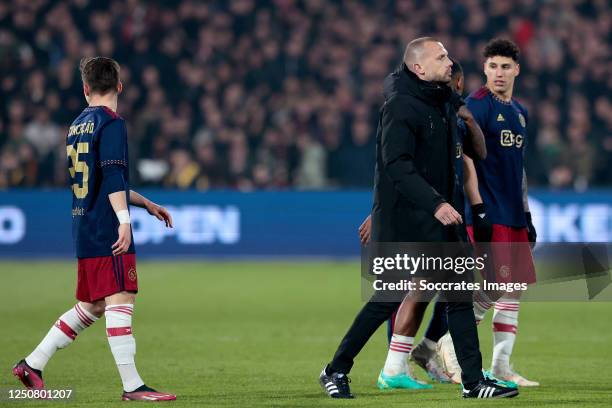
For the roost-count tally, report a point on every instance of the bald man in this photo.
(413, 202)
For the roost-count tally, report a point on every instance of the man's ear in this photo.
(460, 83)
(86, 90)
(418, 68)
(119, 87)
(518, 69)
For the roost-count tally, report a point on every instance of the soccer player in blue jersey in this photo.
(497, 192)
(97, 151)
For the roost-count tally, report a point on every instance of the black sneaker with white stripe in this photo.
(336, 385)
(488, 388)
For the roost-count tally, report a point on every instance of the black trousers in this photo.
(461, 324)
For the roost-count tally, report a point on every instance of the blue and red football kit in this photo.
(97, 152)
(500, 175)
(500, 182)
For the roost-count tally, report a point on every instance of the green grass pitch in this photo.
(250, 334)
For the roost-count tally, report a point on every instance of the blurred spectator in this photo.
(311, 169)
(252, 94)
(184, 173)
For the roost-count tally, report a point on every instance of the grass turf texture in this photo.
(250, 334)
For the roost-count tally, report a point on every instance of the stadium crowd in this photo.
(246, 94)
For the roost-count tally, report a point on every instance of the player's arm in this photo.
(524, 187)
(474, 145)
(113, 162)
(365, 230)
(531, 231)
(119, 204)
(155, 210)
(470, 181)
(483, 228)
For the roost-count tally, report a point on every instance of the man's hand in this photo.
(483, 228)
(124, 241)
(159, 212)
(447, 215)
(365, 230)
(465, 114)
(531, 231)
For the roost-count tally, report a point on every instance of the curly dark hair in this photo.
(457, 69)
(501, 47)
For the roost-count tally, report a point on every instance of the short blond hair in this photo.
(414, 49)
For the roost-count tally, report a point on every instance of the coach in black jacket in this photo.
(415, 155)
(413, 192)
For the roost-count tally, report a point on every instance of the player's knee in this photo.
(494, 295)
(96, 308)
(121, 298)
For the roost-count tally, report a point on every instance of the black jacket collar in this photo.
(403, 81)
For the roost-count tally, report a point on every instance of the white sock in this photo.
(482, 304)
(123, 344)
(65, 330)
(399, 348)
(505, 323)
